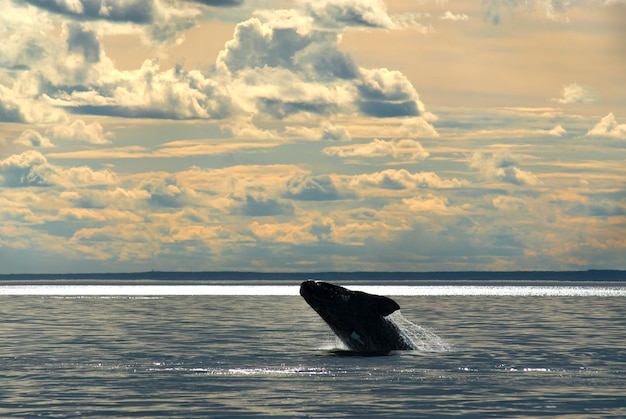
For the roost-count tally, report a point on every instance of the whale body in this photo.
(357, 318)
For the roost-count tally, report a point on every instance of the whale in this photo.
(357, 318)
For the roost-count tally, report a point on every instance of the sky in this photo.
(312, 135)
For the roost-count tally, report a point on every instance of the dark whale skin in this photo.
(357, 318)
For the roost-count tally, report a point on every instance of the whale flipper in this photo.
(384, 305)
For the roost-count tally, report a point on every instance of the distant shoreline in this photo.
(593, 275)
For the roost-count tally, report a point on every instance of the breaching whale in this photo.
(357, 318)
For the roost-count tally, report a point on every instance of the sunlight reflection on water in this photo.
(292, 290)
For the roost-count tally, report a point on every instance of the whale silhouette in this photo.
(357, 318)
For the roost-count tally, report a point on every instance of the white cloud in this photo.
(384, 93)
(151, 93)
(314, 188)
(575, 93)
(27, 169)
(280, 65)
(278, 93)
(291, 233)
(116, 197)
(73, 71)
(32, 138)
(417, 127)
(547, 9)
(509, 203)
(31, 168)
(448, 15)
(427, 203)
(334, 132)
(406, 150)
(327, 132)
(170, 191)
(403, 179)
(608, 127)
(557, 131)
(342, 13)
(80, 131)
(16, 107)
(502, 166)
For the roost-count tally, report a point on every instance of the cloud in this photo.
(608, 127)
(220, 3)
(427, 203)
(502, 166)
(279, 65)
(327, 132)
(263, 207)
(313, 188)
(406, 150)
(283, 71)
(509, 203)
(342, 13)
(403, 179)
(169, 192)
(31, 168)
(575, 93)
(557, 131)
(83, 41)
(332, 132)
(522, 133)
(448, 15)
(27, 169)
(163, 18)
(290, 233)
(384, 93)
(80, 131)
(116, 197)
(73, 73)
(151, 93)
(18, 107)
(262, 41)
(548, 9)
(136, 11)
(32, 138)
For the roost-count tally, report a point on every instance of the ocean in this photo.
(223, 348)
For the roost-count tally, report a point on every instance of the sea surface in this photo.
(164, 349)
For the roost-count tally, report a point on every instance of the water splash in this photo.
(419, 338)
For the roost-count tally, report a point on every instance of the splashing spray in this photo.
(416, 336)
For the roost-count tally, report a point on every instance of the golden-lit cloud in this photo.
(321, 135)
